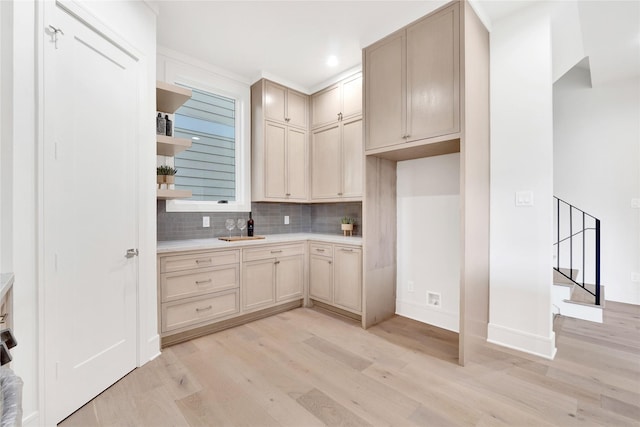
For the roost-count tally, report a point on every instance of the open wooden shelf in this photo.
(170, 146)
(170, 97)
(173, 194)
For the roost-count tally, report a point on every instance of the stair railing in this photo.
(577, 231)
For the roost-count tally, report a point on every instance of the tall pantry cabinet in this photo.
(426, 93)
(279, 149)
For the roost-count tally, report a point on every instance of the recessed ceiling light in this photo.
(332, 61)
(195, 138)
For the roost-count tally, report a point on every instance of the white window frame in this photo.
(241, 93)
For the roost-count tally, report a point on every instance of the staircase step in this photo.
(580, 296)
(559, 279)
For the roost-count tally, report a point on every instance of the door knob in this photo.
(131, 253)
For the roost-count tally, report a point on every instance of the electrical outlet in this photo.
(205, 222)
(635, 277)
(411, 286)
(434, 299)
(286, 220)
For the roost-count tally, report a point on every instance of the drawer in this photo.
(253, 254)
(177, 285)
(179, 314)
(321, 249)
(200, 260)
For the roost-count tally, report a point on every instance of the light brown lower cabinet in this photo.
(271, 275)
(335, 275)
(197, 288)
(201, 292)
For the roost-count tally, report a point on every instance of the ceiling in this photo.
(291, 41)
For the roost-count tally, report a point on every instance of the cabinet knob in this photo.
(288, 194)
(339, 194)
(286, 119)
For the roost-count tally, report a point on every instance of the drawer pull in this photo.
(320, 250)
(202, 282)
(276, 252)
(204, 309)
(347, 250)
(207, 260)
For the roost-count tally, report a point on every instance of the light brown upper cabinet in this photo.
(338, 102)
(285, 154)
(279, 143)
(337, 161)
(337, 141)
(412, 80)
(285, 105)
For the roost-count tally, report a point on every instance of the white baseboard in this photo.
(523, 341)
(152, 350)
(31, 420)
(433, 316)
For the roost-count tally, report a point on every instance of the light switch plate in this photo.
(205, 222)
(635, 277)
(635, 203)
(524, 198)
(286, 220)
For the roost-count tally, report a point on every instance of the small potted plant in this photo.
(166, 175)
(347, 225)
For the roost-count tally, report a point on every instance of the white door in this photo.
(90, 215)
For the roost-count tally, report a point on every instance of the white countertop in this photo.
(215, 243)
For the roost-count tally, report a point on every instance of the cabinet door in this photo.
(275, 160)
(326, 163)
(296, 164)
(258, 284)
(325, 106)
(297, 107)
(275, 102)
(433, 76)
(348, 278)
(321, 278)
(385, 92)
(352, 96)
(289, 277)
(352, 158)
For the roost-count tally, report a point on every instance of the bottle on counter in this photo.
(250, 226)
(169, 125)
(161, 125)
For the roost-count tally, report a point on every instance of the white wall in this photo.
(428, 209)
(6, 163)
(597, 169)
(521, 160)
(22, 123)
(566, 33)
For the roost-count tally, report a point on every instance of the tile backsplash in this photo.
(268, 219)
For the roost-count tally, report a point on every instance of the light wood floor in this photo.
(308, 368)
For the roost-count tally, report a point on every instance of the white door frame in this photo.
(147, 341)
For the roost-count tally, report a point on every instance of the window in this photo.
(208, 168)
(218, 122)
